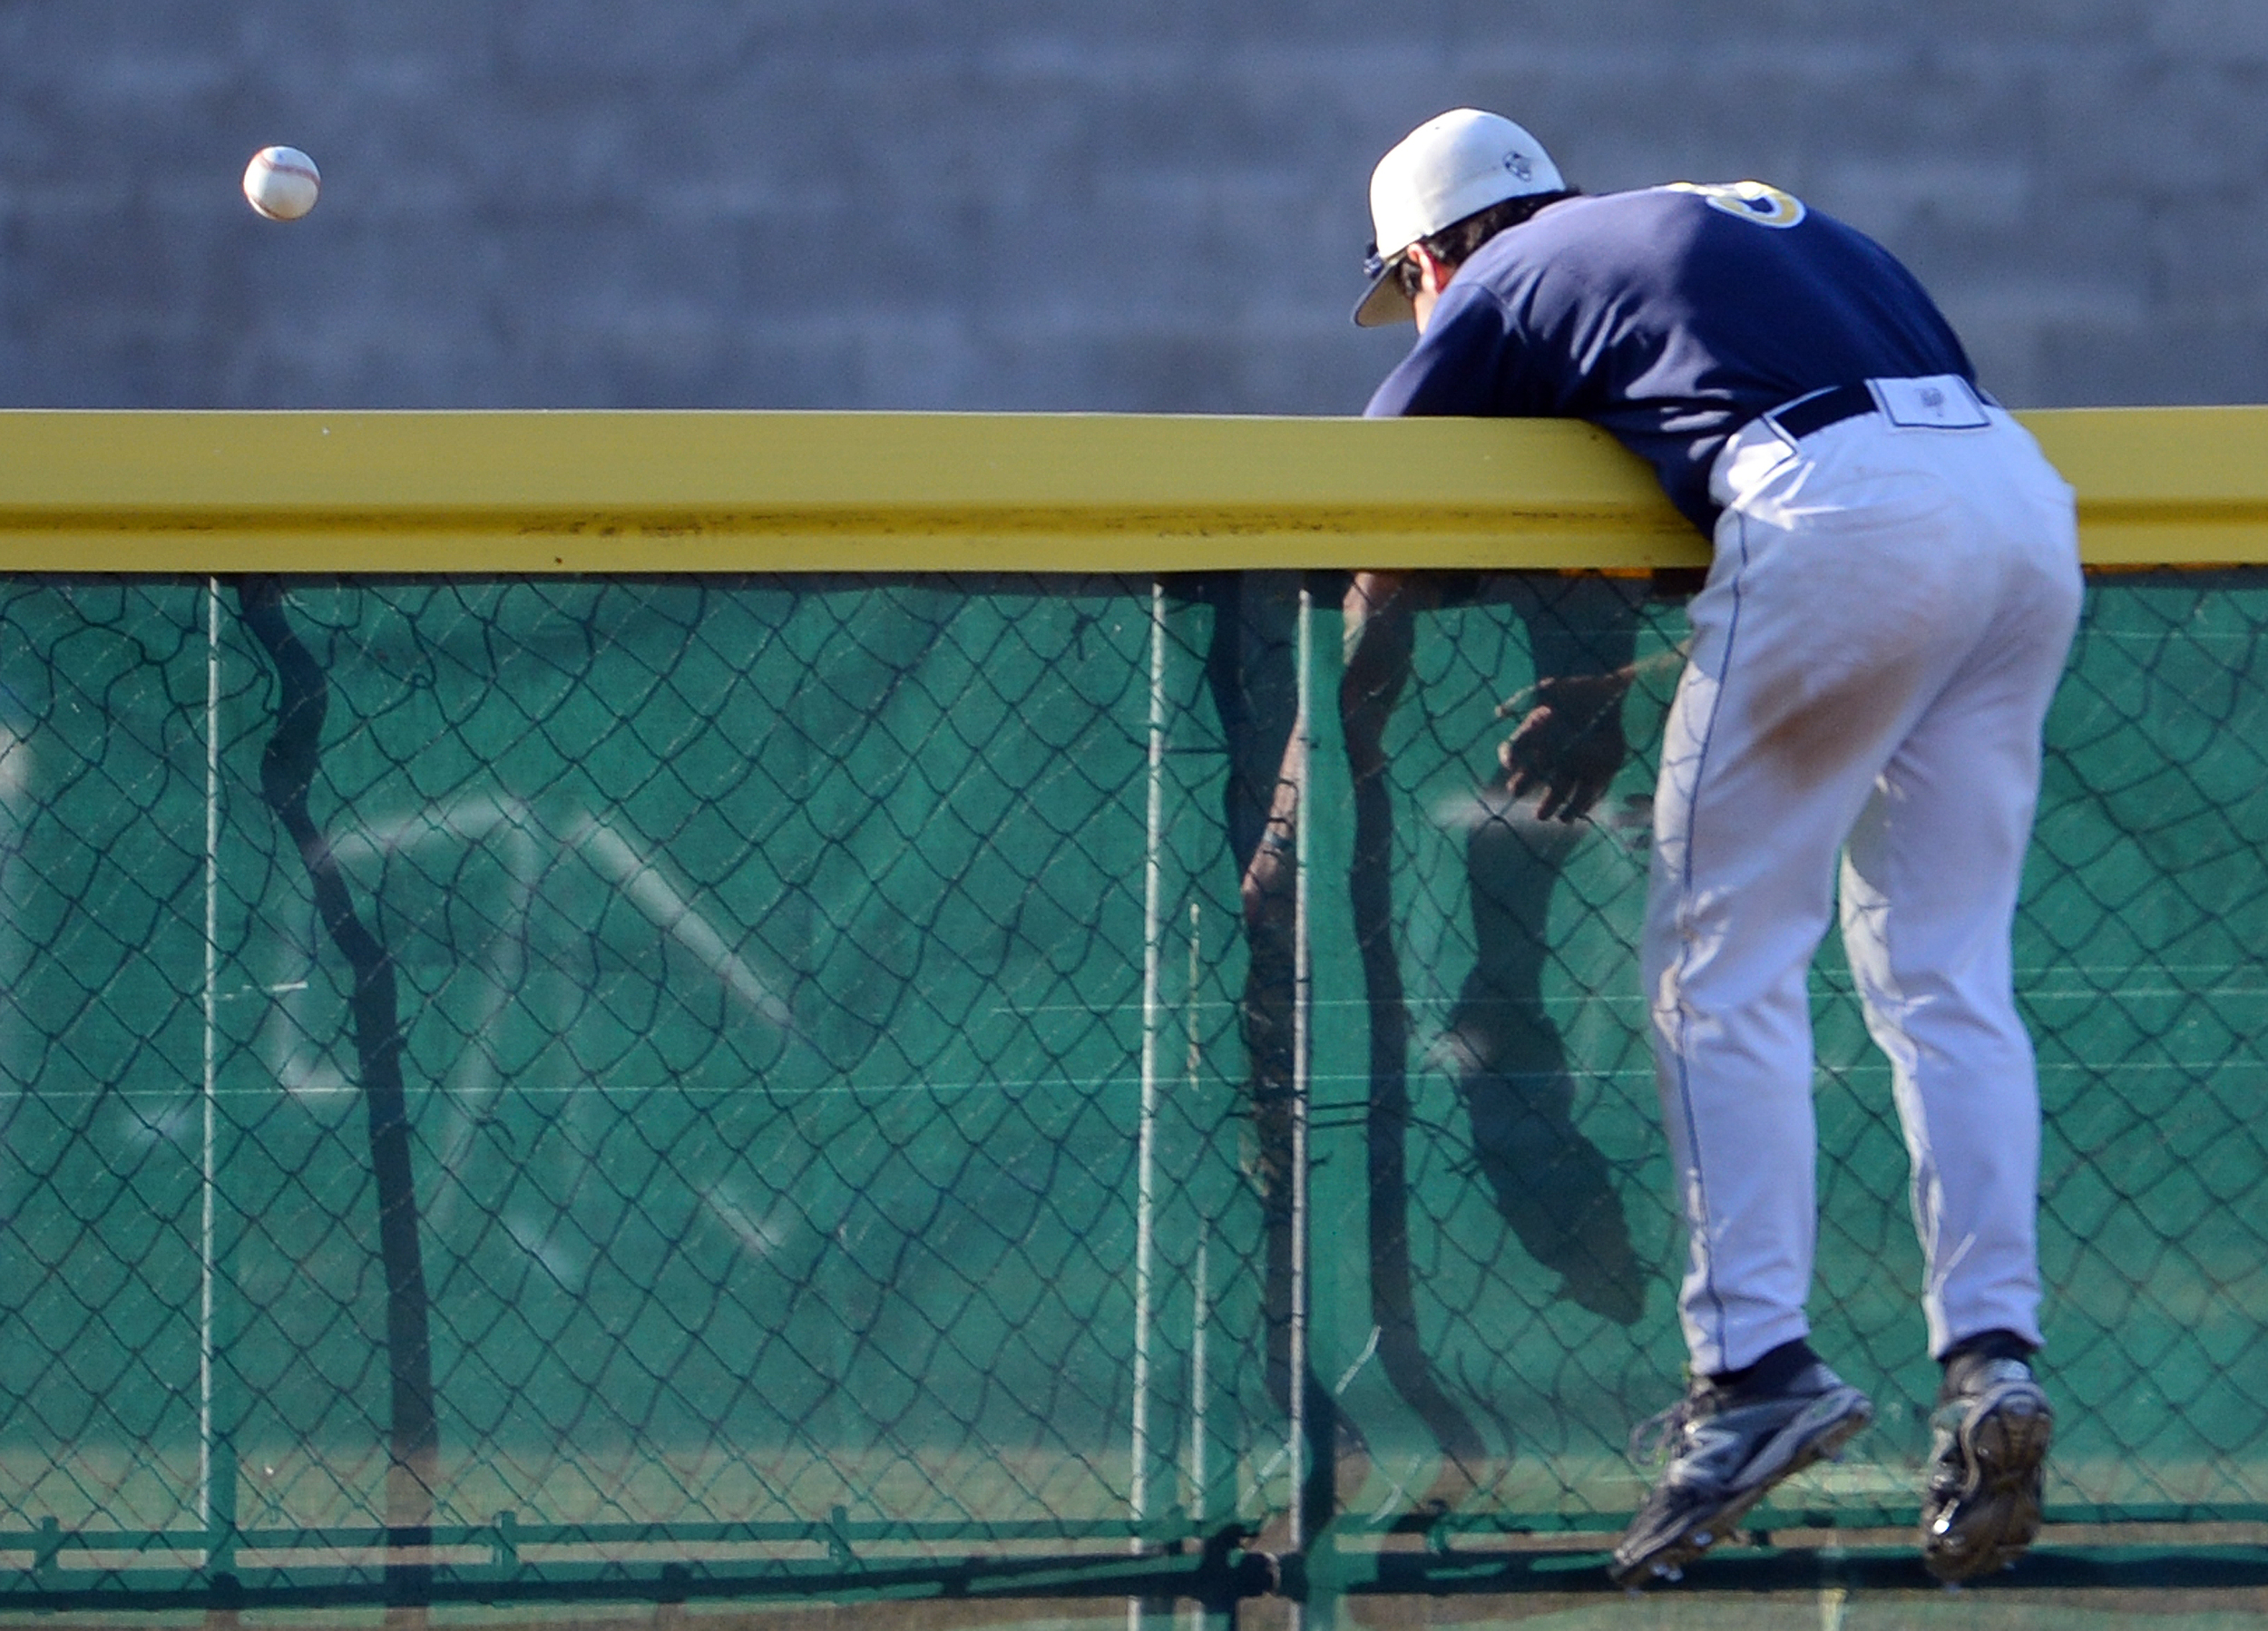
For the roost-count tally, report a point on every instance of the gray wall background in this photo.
(1083, 204)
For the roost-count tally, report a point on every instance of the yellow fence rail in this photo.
(645, 492)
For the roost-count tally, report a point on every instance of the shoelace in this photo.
(1665, 1426)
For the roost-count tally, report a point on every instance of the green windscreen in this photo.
(528, 1080)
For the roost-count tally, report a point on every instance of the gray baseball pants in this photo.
(1890, 604)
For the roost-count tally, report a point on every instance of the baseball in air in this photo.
(281, 182)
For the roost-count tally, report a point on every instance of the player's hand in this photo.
(1569, 745)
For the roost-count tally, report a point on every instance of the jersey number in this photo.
(1750, 200)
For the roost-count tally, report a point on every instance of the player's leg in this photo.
(1815, 643)
(1855, 577)
(1929, 902)
(1930, 889)
(1841, 601)
(1748, 823)
(1929, 898)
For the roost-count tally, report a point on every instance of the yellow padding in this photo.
(592, 491)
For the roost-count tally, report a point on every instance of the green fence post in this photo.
(221, 1528)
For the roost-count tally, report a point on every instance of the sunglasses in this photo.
(1404, 269)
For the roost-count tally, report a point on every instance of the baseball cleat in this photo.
(1988, 1449)
(1727, 1449)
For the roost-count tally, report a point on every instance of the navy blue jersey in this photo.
(1670, 318)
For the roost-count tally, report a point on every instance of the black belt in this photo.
(1830, 407)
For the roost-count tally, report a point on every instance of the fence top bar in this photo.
(646, 491)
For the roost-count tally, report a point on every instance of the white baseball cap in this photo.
(1448, 168)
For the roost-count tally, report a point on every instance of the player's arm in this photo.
(1467, 363)
(1582, 633)
(1568, 743)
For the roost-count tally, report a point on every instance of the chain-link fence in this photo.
(641, 1085)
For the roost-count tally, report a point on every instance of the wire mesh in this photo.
(507, 1078)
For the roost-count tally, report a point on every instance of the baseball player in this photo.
(1894, 587)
